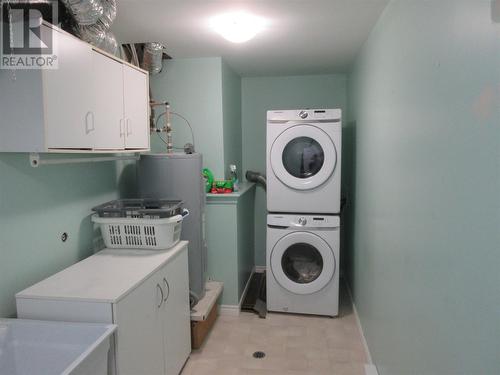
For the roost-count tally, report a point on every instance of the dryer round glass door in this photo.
(302, 263)
(303, 157)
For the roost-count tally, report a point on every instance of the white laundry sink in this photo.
(29, 347)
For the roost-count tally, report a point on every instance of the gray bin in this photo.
(140, 208)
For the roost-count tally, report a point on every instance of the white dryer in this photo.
(303, 160)
(303, 264)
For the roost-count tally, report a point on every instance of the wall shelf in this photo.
(35, 160)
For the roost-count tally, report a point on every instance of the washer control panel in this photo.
(303, 221)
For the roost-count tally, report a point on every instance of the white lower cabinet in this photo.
(141, 331)
(154, 324)
(176, 338)
(149, 303)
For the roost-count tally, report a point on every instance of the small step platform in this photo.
(204, 313)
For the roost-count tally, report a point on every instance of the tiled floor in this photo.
(294, 344)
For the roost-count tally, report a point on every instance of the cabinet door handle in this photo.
(88, 129)
(129, 128)
(167, 285)
(122, 131)
(93, 121)
(161, 291)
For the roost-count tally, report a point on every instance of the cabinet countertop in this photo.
(245, 187)
(106, 276)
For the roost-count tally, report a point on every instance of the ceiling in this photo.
(302, 36)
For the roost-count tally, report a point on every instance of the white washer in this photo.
(303, 264)
(303, 160)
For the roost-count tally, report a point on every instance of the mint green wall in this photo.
(37, 205)
(222, 241)
(208, 93)
(230, 239)
(246, 245)
(193, 87)
(231, 113)
(425, 105)
(261, 94)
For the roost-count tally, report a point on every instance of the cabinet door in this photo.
(136, 102)
(68, 94)
(177, 331)
(108, 103)
(139, 338)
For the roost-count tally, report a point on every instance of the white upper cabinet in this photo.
(92, 102)
(107, 113)
(136, 109)
(66, 96)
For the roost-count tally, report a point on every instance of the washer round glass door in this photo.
(303, 157)
(302, 262)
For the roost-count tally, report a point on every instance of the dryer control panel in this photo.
(303, 221)
(301, 115)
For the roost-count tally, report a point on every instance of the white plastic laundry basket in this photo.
(135, 233)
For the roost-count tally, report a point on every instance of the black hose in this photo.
(257, 177)
(193, 299)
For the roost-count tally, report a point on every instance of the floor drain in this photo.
(259, 355)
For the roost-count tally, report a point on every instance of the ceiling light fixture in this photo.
(237, 27)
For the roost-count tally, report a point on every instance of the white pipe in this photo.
(36, 161)
(170, 142)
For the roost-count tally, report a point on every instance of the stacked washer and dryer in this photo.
(303, 203)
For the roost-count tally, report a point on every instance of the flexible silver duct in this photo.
(152, 59)
(98, 36)
(109, 13)
(85, 12)
(93, 19)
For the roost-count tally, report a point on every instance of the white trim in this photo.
(260, 269)
(371, 370)
(229, 310)
(234, 310)
(358, 323)
(245, 290)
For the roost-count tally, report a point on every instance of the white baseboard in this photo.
(229, 310)
(245, 290)
(259, 269)
(371, 370)
(234, 310)
(363, 338)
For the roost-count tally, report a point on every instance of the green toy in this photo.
(223, 184)
(209, 179)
